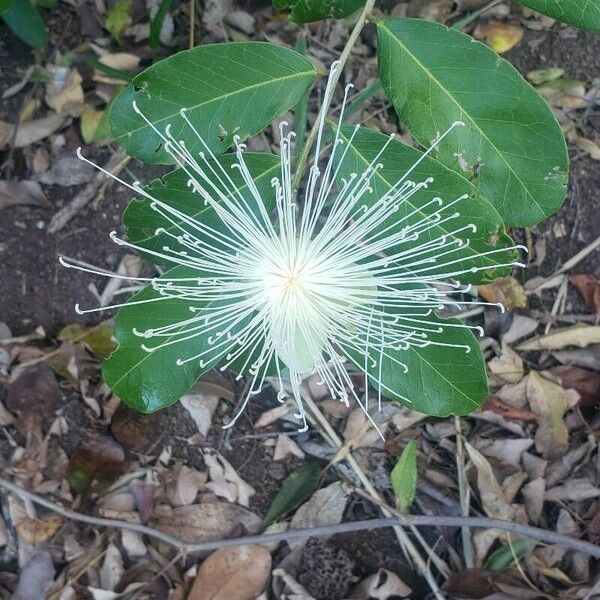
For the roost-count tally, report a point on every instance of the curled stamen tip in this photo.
(458, 124)
(183, 111)
(150, 350)
(136, 108)
(480, 331)
(79, 154)
(78, 309)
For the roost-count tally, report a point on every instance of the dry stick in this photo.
(403, 538)
(549, 281)
(116, 162)
(368, 7)
(535, 533)
(192, 22)
(465, 495)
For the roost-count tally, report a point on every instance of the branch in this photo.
(535, 533)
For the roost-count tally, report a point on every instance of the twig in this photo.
(535, 533)
(368, 7)
(192, 22)
(468, 19)
(566, 266)
(116, 162)
(465, 495)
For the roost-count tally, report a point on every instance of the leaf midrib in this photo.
(469, 185)
(464, 111)
(217, 99)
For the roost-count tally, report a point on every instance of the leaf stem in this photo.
(303, 159)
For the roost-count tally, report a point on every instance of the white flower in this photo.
(330, 278)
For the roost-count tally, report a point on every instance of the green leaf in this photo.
(503, 557)
(141, 221)
(151, 381)
(439, 380)
(584, 14)
(119, 18)
(157, 23)
(25, 22)
(227, 89)
(297, 487)
(307, 11)
(511, 146)
(404, 477)
(398, 159)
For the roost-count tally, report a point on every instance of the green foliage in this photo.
(151, 381)
(307, 11)
(503, 557)
(396, 160)
(227, 89)
(404, 477)
(438, 380)
(119, 18)
(25, 22)
(512, 146)
(297, 487)
(584, 14)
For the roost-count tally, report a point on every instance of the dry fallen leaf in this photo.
(589, 288)
(493, 500)
(64, 93)
(238, 573)
(286, 445)
(36, 576)
(383, 585)
(584, 143)
(580, 335)
(182, 485)
(533, 494)
(505, 290)
(549, 402)
(500, 37)
(36, 130)
(15, 193)
(112, 569)
(573, 489)
(206, 522)
(584, 381)
(325, 507)
(508, 366)
(224, 480)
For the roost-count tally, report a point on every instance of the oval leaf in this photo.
(149, 381)
(297, 487)
(512, 146)
(438, 380)
(584, 14)
(307, 11)
(25, 22)
(404, 477)
(396, 161)
(227, 89)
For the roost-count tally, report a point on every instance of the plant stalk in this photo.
(303, 158)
